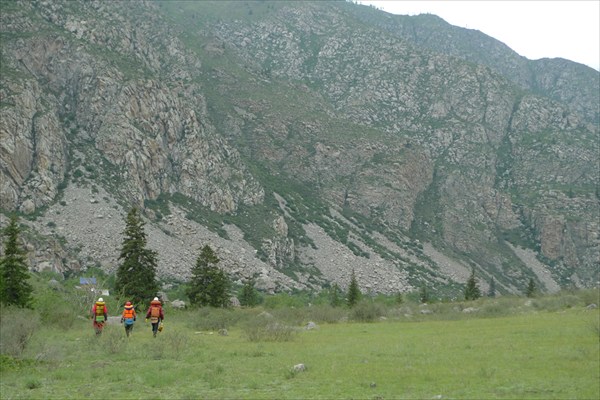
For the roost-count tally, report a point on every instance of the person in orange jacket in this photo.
(156, 315)
(99, 315)
(128, 318)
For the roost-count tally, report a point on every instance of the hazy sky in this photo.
(534, 29)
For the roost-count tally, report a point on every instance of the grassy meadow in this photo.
(509, 348)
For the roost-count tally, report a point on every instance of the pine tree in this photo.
(136, 276)
(424, 295)
(399, 298)
(472, 291)
(249, 295)
(354, 293)
(492, 289)
(530, 292)
(209, 285)
(14, 288)
(335, 295)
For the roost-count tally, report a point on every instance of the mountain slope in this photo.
(320, 137)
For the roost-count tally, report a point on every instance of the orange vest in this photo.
(129, 312)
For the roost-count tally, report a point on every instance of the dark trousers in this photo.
(155, 327)
(128, 329)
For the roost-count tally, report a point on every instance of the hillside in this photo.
(302, 140)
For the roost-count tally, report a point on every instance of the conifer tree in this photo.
(492, 289)
(335, 295)
(424, 295)
(249, 295)
(354, 293)
(136, 276)
(399, 298)
(14, 273)
(209, 285)
(530, 292)
(472, 291)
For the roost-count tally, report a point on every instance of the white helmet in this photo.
(155, 299)
(100, 299)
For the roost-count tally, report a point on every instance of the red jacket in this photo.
(156, 304)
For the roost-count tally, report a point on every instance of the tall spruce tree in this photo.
(136, 275)
(424, 294)
(209, 285)
(354, 293)
(472, 291)
(492, 289)
(14, 288)
(531, 289)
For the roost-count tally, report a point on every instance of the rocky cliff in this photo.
(302, 139)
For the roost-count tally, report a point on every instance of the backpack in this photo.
(155, 311)
(99, 317)
(154, 314)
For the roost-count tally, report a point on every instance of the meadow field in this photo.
(514, 348)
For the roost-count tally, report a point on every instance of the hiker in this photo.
(156, 315)
(128, 318)
(99, 315)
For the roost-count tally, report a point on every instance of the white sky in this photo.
(534, 29)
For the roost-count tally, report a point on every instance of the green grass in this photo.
(534, 355)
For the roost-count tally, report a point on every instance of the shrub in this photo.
(213, 319)
(326, 314)
(17, 326)
(54, 309)
(265, 329)
(33, 383)
(280, 300)
(556, 302)
(367, 311)
(114, 340)
(177, 342)
(589, 296)
(495, 309)
(291, 315)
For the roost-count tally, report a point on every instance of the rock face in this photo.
(303, 140)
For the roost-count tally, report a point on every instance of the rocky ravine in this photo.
(92, 224)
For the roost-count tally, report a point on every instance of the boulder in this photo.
(299, 368)
(113, 320)
(234, 302)
(179, 304)
(311, 325)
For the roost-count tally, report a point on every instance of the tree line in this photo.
(209, 285)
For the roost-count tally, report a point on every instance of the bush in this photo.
(589, 296)
(17, 326)
(54, 309)
(213, 319)
(265, 329)
(367, 311)
(176, 342)
(291, 315)
(280, 300)
(113, 339)
(326, 314)
(556, 302)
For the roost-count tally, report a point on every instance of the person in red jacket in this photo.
(99, 315)
(128, 318)
(156, 315)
